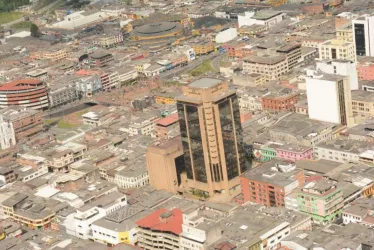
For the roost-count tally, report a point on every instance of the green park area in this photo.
(203, 68)
(7, 17)
(63, 124)
(22, 25)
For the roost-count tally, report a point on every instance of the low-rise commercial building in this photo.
(127, 74)
(40, 74)
(143, 127)
(202, 47)
(59, 95)
(273, 67)
(109, 40)
(362, 105)
(340, 150)
(100, 58)
(60, 158)
(88, 85)
(7, 176)
(21, 124)
(133, 175)
(365, 68)
(166, 127)
(119, 227)
(297, 129)
(31, 212)
(292, 152)
(81, 225)
(269, 183)
(361, 132)
(282, 101)
(55, 54)
(337, 49)
(164, 225)
(322, 200)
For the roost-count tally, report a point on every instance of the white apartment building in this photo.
(197, 238)
(342, 150)
(119, 227)
(250, 102)
(329, 98)
(81, 225)
(127, 74)
(88, 86)
(266, 18)
(7, 135)
(91, 118)
(133, 175)
(321, 152)
(340, 67)
(106, 234)
(349, 216)
(363, 35)
(274, 236)
(29, 173)
(143, 127)
(226, 35)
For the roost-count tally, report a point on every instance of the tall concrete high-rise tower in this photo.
(212, 137)
(363, 35)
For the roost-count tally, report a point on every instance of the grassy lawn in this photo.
(50, 121)
(63, 124)
(6, 17)
(82, 112)
(203, 68)
(21, 25)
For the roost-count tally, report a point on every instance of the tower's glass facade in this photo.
(230, 133)
(360, 39)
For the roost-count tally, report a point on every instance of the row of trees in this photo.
(9, 5)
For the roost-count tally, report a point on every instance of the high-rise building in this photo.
(363, 33)
(211, 133)
(329, 98)
(340, 67)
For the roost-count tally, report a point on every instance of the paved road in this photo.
(216, 60)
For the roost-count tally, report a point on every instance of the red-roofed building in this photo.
(28, 93)
(166, 125)
(163, 226)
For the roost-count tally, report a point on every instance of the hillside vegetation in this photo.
(9, 5)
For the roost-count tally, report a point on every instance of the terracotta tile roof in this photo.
(168, 120)
(18, 84)
(369, 220)
(83, 72)
(225, 246)
(171, 222)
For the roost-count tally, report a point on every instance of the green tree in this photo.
(34, 29)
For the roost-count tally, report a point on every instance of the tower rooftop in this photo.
(205, 83)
